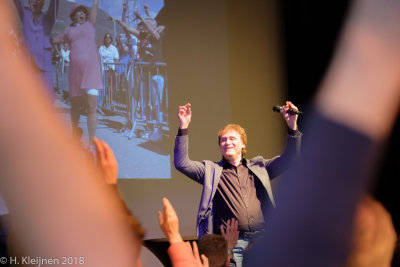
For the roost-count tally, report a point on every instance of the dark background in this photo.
(311, 29)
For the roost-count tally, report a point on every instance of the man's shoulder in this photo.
(256, 162)
(256, 159)
(212, 165)
(211, 162)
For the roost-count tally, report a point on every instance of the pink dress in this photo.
(84, 68)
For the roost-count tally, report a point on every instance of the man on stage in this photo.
(235, 187)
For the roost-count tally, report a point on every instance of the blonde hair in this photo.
(237, 128)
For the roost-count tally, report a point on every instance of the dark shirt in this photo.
(239, 195)
(150, 49)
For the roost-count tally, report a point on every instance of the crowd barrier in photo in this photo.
(137, 91)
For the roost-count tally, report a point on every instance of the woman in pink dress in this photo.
(84, 69)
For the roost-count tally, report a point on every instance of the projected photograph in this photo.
(107, 77)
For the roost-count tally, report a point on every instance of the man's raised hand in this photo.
(184, 116)
(291, 120)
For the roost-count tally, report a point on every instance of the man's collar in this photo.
(226, 164)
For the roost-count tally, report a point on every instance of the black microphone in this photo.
(290, 111)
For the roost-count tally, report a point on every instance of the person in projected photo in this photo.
(126, 43)
(149, 50)
(108, 52)
(36, 28)
(109, 57)
(84, 77)
(235, 187)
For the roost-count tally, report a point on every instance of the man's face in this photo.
(36, 6)
(231, 145)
